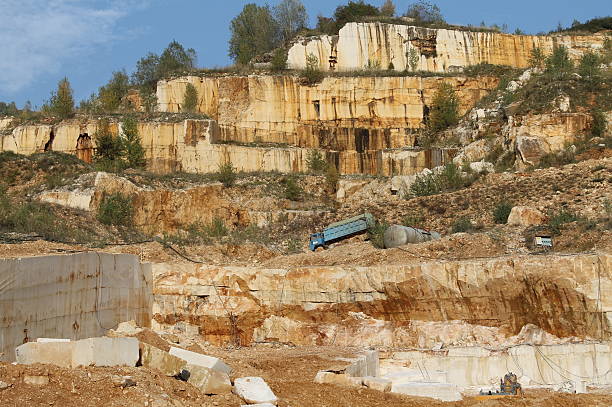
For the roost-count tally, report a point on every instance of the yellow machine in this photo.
(508, 386)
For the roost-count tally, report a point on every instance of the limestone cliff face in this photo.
(564, 295)
(193, 146)
(439, 50)
(341, 113)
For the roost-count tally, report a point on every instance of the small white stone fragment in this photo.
(254, 390)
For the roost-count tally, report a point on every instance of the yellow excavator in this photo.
(508, 386)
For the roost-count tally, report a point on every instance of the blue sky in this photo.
(86, 40)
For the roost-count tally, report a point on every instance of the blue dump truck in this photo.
(341, 230)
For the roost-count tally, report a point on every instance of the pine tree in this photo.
(62, 100)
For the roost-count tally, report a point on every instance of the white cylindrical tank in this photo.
(397, 235)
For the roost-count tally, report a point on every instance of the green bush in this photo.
(536, 58)
(292, 190)
(216, 228)
(557, 159)
(502, 211)
(425, 185)
(462, 225)
(190, 99)
(376, 234)
(116, 209)
(61, 102)
(331, 178)
(226, 174)
(316, 162)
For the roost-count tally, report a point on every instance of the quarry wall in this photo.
(382, 306)
(194, 146)
(359, 45)
(70, 296)
(360, 114)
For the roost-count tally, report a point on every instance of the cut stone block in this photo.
(254, 390)
(198, 359)
(46, 340)
(53, 353)
(439, 391)
(105, 352)
(377, 383)
(337, 379)
(155, 358)
(209, 381)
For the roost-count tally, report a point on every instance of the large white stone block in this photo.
(440, 391)
(254, 390)
(105, 352)
(155, 358)
(199, 359)
(54, 353)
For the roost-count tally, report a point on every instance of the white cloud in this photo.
(38, 36)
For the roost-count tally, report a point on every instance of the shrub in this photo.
(536, 58)
(444, 110)
(312, 74)
(316, 162)
(600, 124)
(190, 99)
(425, 12)
(226, 174)
(559, 64)
(279, 60)
(557, 159)
(110, 150)
(133, 150)
(502, 212)
(376, 234)
(425, 185)
(462, 225)
(292, 190)
(116, 209)
(560, 218)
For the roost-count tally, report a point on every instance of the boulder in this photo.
(377, 383)
(36, 380)
(105, 352)
(347, 187)
(474, 151)
(199, 359)
(4, 385)
(526, 216)
(209, 381)
(155, 358)
(482, 167)
(531, 149)
(129, 328)
(53, 353)
(254, 390)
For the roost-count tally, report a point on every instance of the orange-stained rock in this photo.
(526, 216)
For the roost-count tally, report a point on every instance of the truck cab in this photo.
(316, 240)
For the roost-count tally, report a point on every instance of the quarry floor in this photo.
(288, 371)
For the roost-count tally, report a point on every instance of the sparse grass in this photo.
(413, 219)
(558, 219)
